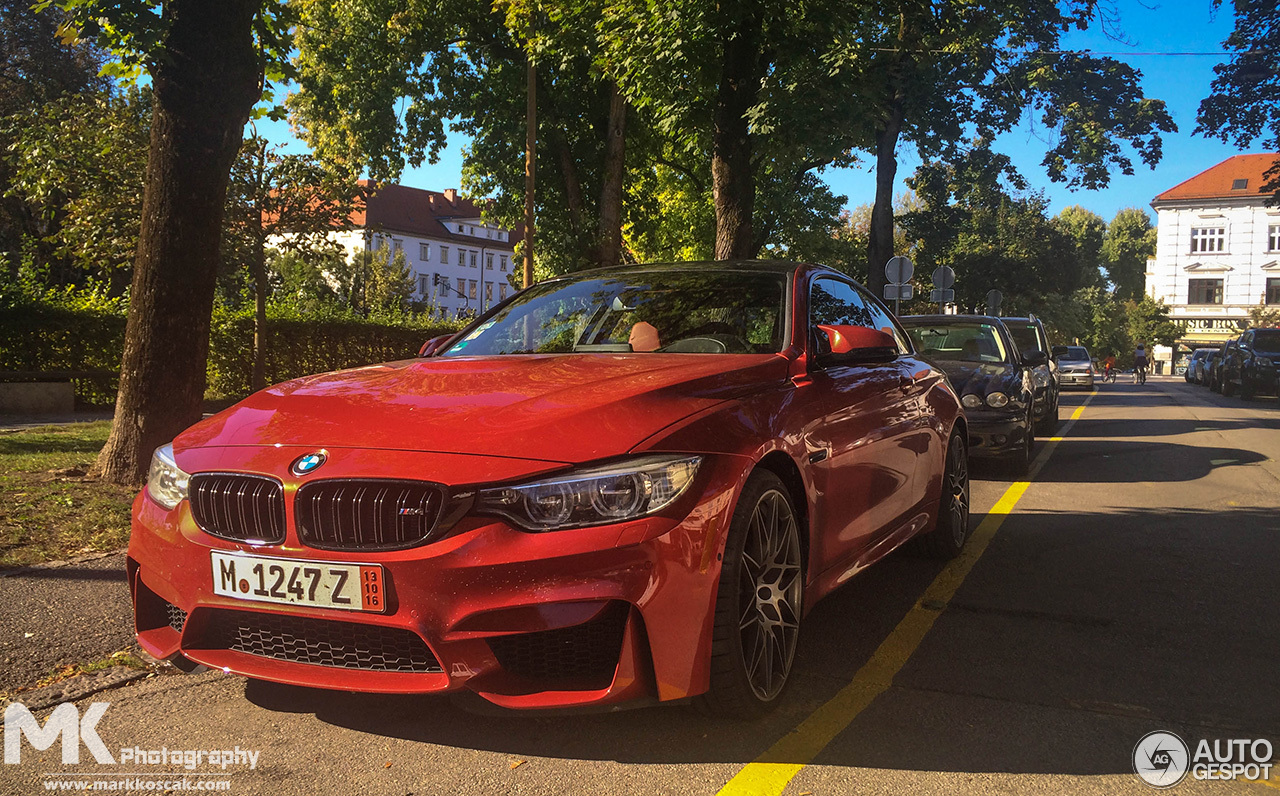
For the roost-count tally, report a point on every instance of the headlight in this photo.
(1263, 362)
(997, 400)
(971, 401)
(166, 484)
(1040, 378)
(593, 496)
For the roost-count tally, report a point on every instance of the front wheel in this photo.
(758, 602)
(947, 538)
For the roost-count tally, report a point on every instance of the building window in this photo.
(1273, 290)
(488, 261)
(1204, 291)
(424, 251)
(502, 262)
(471, 289)
(502, 292)
(1239, 185)
(473, 259)
(424, 285)
(488, 292)
(1208, 240)
(396, 246)
(1273, 238)
(462, 258)
(444, 255)
(462, 286)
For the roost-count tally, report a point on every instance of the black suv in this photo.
(1250, 366)
(1029, 335)
(1215, 367)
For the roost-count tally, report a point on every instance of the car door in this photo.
(860, 433)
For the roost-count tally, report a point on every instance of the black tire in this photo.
(1020, 462)
(1214, 386)
(1247, 389)
(948, 536)
(1049, 423)
(1228, 389)
(754, 638)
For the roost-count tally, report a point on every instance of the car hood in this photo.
(567, 408)
(979, 377)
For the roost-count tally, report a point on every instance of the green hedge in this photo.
(299, 346)
(48, 336)
(37, 336)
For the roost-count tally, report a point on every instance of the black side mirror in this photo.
(1034, 359)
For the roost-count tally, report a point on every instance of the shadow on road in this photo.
(1076, 633)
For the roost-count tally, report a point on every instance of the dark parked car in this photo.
(1075, 366)
(1195, 365)
(1030, 336)
(994, 381)
(1250, 367)
(1217, 360)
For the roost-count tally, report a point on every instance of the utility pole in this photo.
(530, 164)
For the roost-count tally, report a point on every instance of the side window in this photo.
(835, 302)
(882, 319)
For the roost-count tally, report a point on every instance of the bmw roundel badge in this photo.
(308, 463)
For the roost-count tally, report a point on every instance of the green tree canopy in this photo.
(1243, 105)
(1129, 241)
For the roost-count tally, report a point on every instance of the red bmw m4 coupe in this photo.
(625, 484)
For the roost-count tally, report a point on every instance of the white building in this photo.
(460, 264)
(1217, 252)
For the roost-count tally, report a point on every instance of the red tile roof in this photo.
(399, 208)
(1217, 182)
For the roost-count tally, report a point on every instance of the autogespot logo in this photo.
(1161, 759)
(308, 463)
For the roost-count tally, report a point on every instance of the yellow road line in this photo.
(769, 773)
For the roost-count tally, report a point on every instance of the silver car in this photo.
(1075, 366)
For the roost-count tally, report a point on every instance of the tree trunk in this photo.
(258, 266)
(615, 163)
(880, 247)
(205, 81)
(732, 173)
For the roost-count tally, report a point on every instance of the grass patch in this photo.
(51, 511)
(123, 658)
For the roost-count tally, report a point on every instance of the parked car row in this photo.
(1244, 366)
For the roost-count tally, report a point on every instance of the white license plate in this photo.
(320, 584)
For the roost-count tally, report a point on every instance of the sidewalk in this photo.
(19, 422)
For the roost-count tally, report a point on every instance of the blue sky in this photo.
(1150, 29)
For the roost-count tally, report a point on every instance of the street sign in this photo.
(898, 270)
(944, 277)
(942, 296)
(899, 292)
(994, 297)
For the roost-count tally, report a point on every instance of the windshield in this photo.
(1075, 353)
(724, 312)
(976, 342)
(1267, 339)
(1025, 336)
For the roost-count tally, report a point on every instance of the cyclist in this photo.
(1108, 368)
(1140, 364)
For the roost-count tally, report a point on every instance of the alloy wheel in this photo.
(770, 588)
(958, 487)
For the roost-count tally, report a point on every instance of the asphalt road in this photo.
(1132, 587)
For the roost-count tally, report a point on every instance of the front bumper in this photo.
(588, 616)
(1075, 379)
(995, 434)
